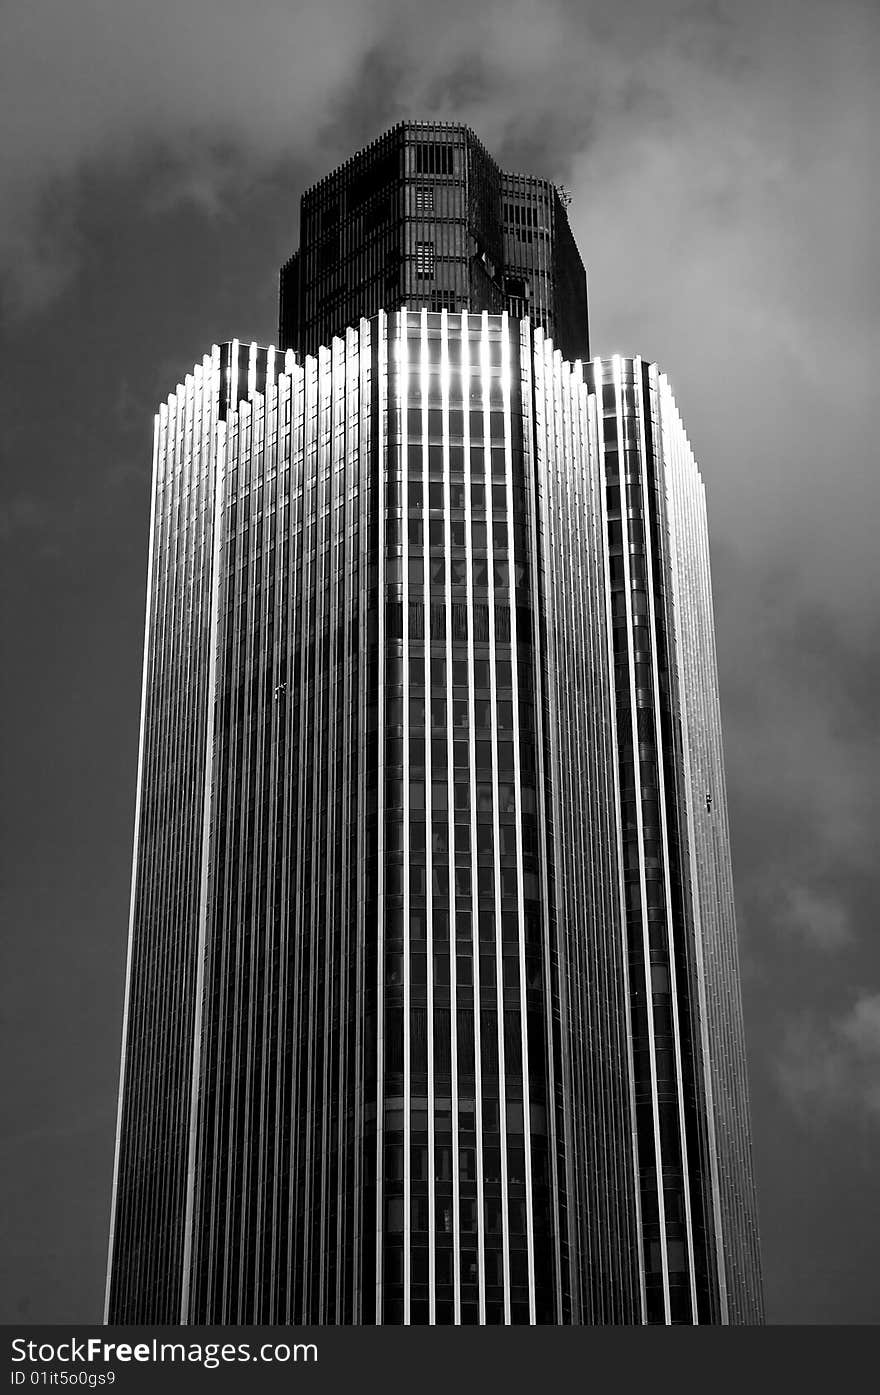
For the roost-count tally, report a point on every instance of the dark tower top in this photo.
(424, 217)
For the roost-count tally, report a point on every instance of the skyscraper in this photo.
(432, 1002)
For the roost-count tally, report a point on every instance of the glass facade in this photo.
(432, 1005)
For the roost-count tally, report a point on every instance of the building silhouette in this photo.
(432, 1007)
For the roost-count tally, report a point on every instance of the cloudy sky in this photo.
(723, 163)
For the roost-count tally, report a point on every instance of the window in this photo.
(433, 159)
(424, 198)
(425, 259)
(444, 300)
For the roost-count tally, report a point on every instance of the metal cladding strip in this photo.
(649, 507)
(400, 468)
(297, 666)
(299, 600)
(245, 927)
(236, 424)
(292, 385)
(312, 737)
(139, 795)
(334, 990)
(548, 523)
(704, 929)
(244, 920)
(368, 354)
(343, 513)
(746, 1285)
(204, 1207)
(261, 1296)
(578, 810)
(218, 471)
(243, 936)
(429, 814)
(270, 1175)
(184, 631)
(468, 378)
(158, 1102)
(313, 930)
(396, 486)
(683, 639)
(277, 871)
(274, 557)
(578, 875)
(345, 365)
(546, 526)
(587, 808)
(559, 506)
(261, 921)
(702, 651)
(587, 556)
(290, 698)
(213, 445)
(325, 926)
(380, 484)
(468, 388)
(355, 703)
(485, 376)
(158, 1041)
(278, 866)
(253, 1218)
(621, 887)
(421, 469)
(205, 1202)
(724, 1068)
(625, 531)
(278, 1313)
(326, 591)
(308, 721)
(578, 871)
(227, 936)
(449, 744)
(305, 1102)
(449, 741)
(534, 461)
(327, 921)
(604, 863)
(311, 744)
(272, 1170)
(310, 1038)
(293, 779)
(257, 963)
(571, 658)
(506, 384)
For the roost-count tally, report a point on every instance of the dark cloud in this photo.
(723, 163)
(833, 1067)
